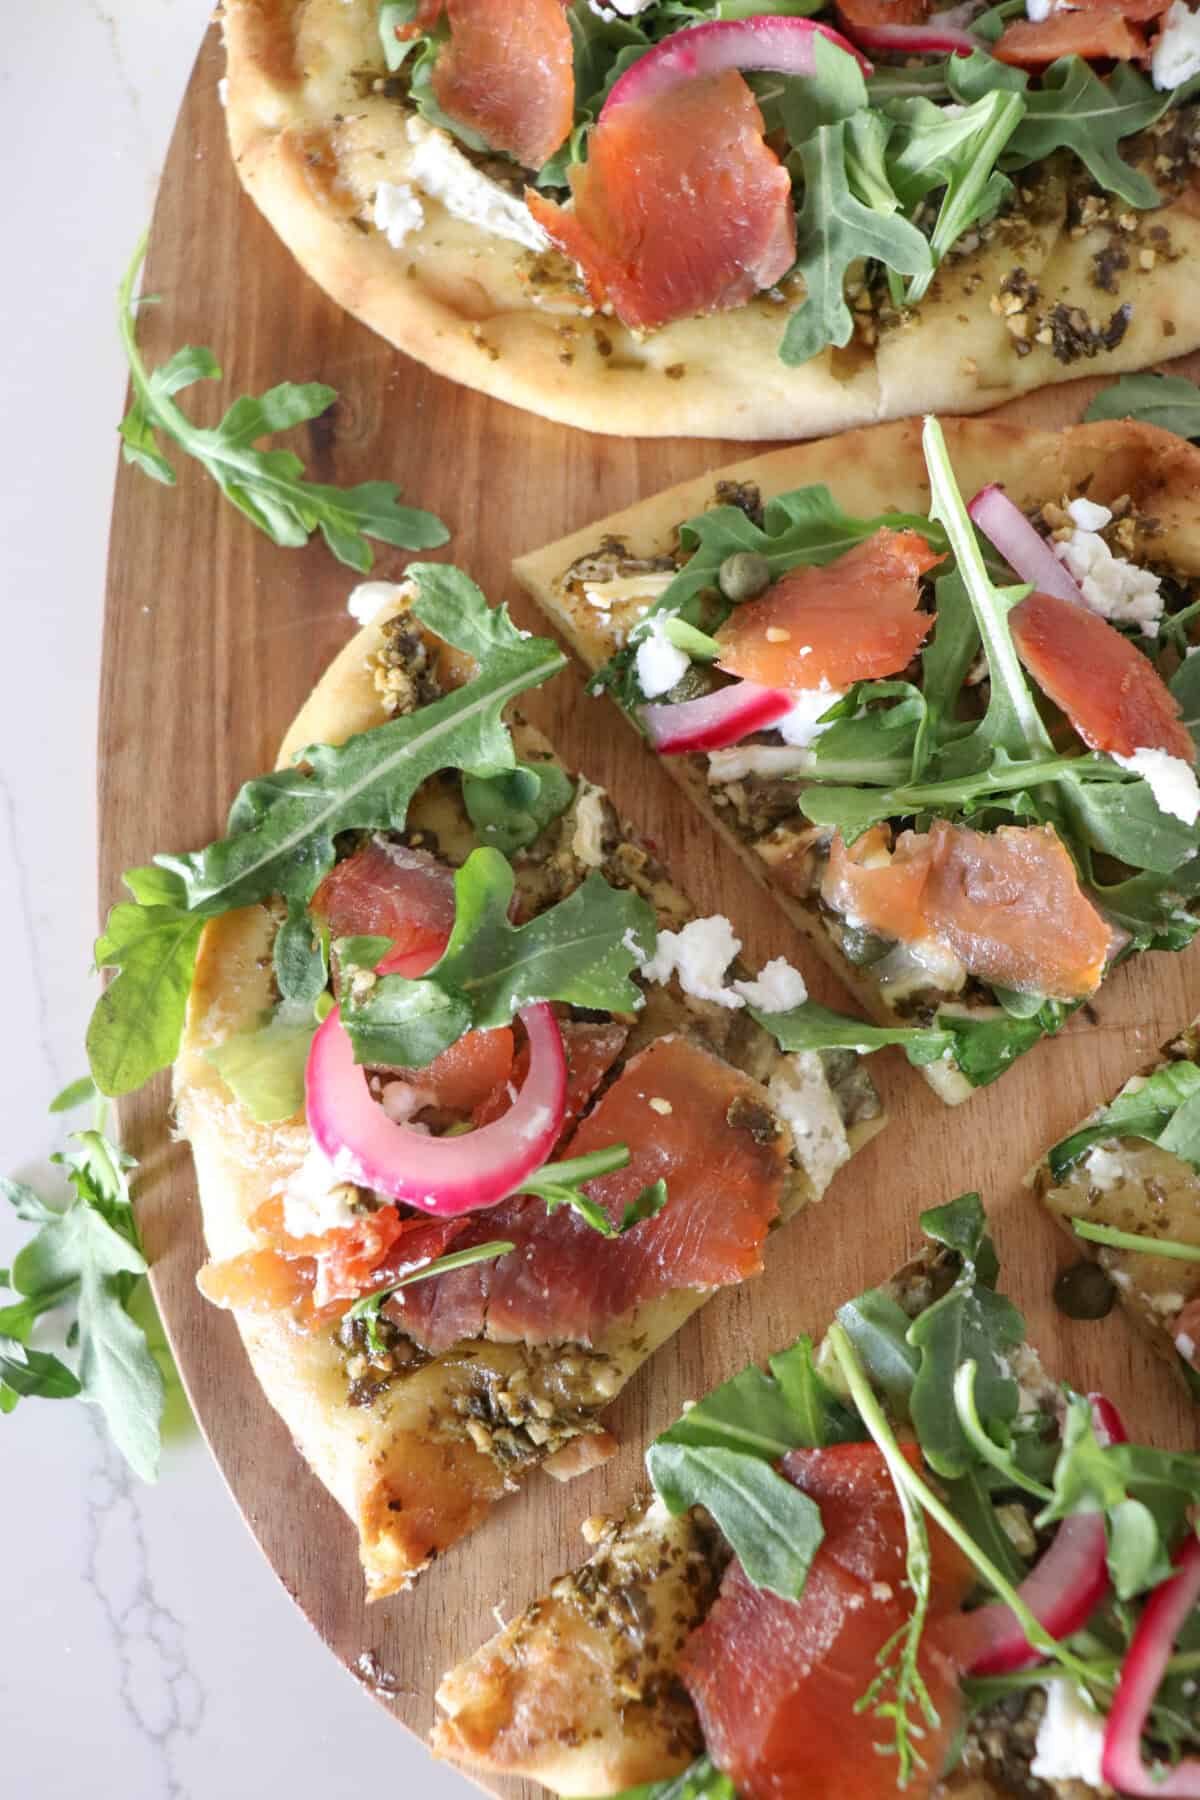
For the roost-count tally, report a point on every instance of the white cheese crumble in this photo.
(799, 727)
(800, 1094)
(1166, 1303)
(1106, 1169)
(699, 954)
(777, 988)
(1176, 55)
(316, 1198)
(660, 663)
(445, 174)
(604, 595)
(397, 212)
(1172, 781)
(1186, 1346)
(755, 759)
(223, 90)
(1070, 1739)
(365, 602)
(1111, 585)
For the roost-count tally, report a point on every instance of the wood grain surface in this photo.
(214, 637)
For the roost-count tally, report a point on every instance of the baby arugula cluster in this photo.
(911, 752)
(889, 172)
(946, 1377)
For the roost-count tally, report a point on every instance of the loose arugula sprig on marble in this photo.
(281, 832)
(887, 177)
(85, 1259)
(269, 486)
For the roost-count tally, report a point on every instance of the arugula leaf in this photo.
(137, 1022)
(957, 153)
(766, 1415)
(834, 230)
(1073, 109)
(814, 1027)
(984, 1047)
(969, 1323)
(703, 1781)
(511, 810)
(89, 1252)
(76, 1093)
(582, 951)
(264, 1067)
(268, 486)
(1145, 1110)
(1171, 402)
(282, 826)
(877, 1326)
(561, 1184)
(773, 1527)
(300, 956)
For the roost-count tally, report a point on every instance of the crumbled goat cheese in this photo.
(660, 663)
(618, 9)
(1186, 1346)
(799, 727)
(316, 1197)
(1176, 55)
(400, 1100)
(1172, 781)
(444, 173)
(1166, 1303)
(699, 954)
(755, 759)
(368, 599)
(800, 1094)
(1070, 1739)
(604, 595)
(397, 212)
(1088, 516)
(223, 90)
(587, 841)
(1106, 1169)
(777, 988)
(1111, 585)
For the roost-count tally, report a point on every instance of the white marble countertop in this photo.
(155, 1657)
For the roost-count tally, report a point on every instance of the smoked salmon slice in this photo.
(855, 619)
(1099, 32)
(775, 1681)
(388, 890)
(507, 72)
(1008, 903)
(591, 1052)
(681, 207)
(1112, 694)
(882, 12)
(687, 1118)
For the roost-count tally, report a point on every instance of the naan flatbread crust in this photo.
(1039, 300)
(405, 1467)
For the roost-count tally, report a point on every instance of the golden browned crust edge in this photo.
(714, 377)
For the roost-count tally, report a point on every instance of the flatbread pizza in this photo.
(589, 212)
(455, 1201)
(848, 1579)
(1125, 1185)
(952, 744)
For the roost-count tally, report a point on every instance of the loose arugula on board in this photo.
(268, 486)
(943, 1376)
(1171, 402)
(867, 159)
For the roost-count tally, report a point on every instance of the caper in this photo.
(744, 575)
(863, 947)
(1084, 1291)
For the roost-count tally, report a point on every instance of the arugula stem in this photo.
(908, 1481)
(576, 1169)
(1169, 1248)
(946, 505)
(977, 1436)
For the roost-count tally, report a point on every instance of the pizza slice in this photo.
(466, 1151)
(1126, 1185)
(909, 1563)
(659, 219)
(950, 740)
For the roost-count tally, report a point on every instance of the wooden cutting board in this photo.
(214, 637)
